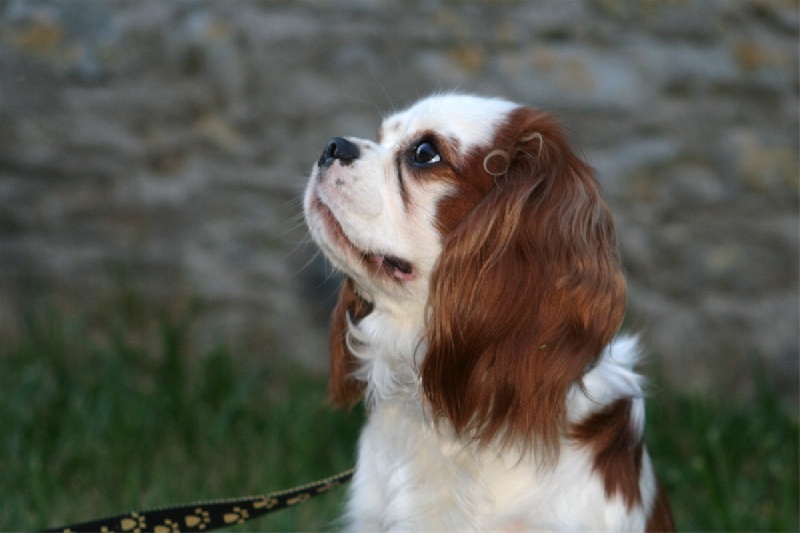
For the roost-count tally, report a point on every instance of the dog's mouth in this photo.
(377, 263)
(393, 266)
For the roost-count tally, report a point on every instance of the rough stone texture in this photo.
(161, 148)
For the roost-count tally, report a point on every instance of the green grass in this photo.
(91, 429)
(95, 425)
(727, 465)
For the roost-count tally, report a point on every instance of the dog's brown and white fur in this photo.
(482, 295)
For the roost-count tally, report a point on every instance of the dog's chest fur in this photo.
(413, 475)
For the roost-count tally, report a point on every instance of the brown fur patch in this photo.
(527, 291)
(617, 450)
(343, 389)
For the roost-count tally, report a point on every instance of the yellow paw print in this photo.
(238, 516)
(135, 523)
(266, 503)
(199, 519)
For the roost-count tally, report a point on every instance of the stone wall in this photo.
(160, 148)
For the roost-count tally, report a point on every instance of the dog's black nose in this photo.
(338, 148)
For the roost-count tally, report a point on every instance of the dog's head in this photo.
(473, 217)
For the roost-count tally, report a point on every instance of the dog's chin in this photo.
(378, 266)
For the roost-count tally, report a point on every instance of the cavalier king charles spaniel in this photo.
(477, 318)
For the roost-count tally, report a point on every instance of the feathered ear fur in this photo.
(527, 292)
(344, 390)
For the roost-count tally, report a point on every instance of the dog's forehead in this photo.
(469, 120)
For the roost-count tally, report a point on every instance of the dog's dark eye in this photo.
(425, 154)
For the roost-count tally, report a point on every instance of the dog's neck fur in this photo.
(389, 346)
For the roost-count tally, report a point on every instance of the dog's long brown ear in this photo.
(343, 389)
(527, 292)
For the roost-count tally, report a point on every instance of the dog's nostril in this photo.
(338, 148)
(330, 151)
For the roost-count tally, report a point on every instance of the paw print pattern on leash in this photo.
(238, 516)
(135, 523)
(207, 516)
(199, 520)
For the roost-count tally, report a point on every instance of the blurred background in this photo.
(153, 156)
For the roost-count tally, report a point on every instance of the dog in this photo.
(478, 319)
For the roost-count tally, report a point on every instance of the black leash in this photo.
(205, 516)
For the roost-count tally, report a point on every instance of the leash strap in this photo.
(205, 516)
